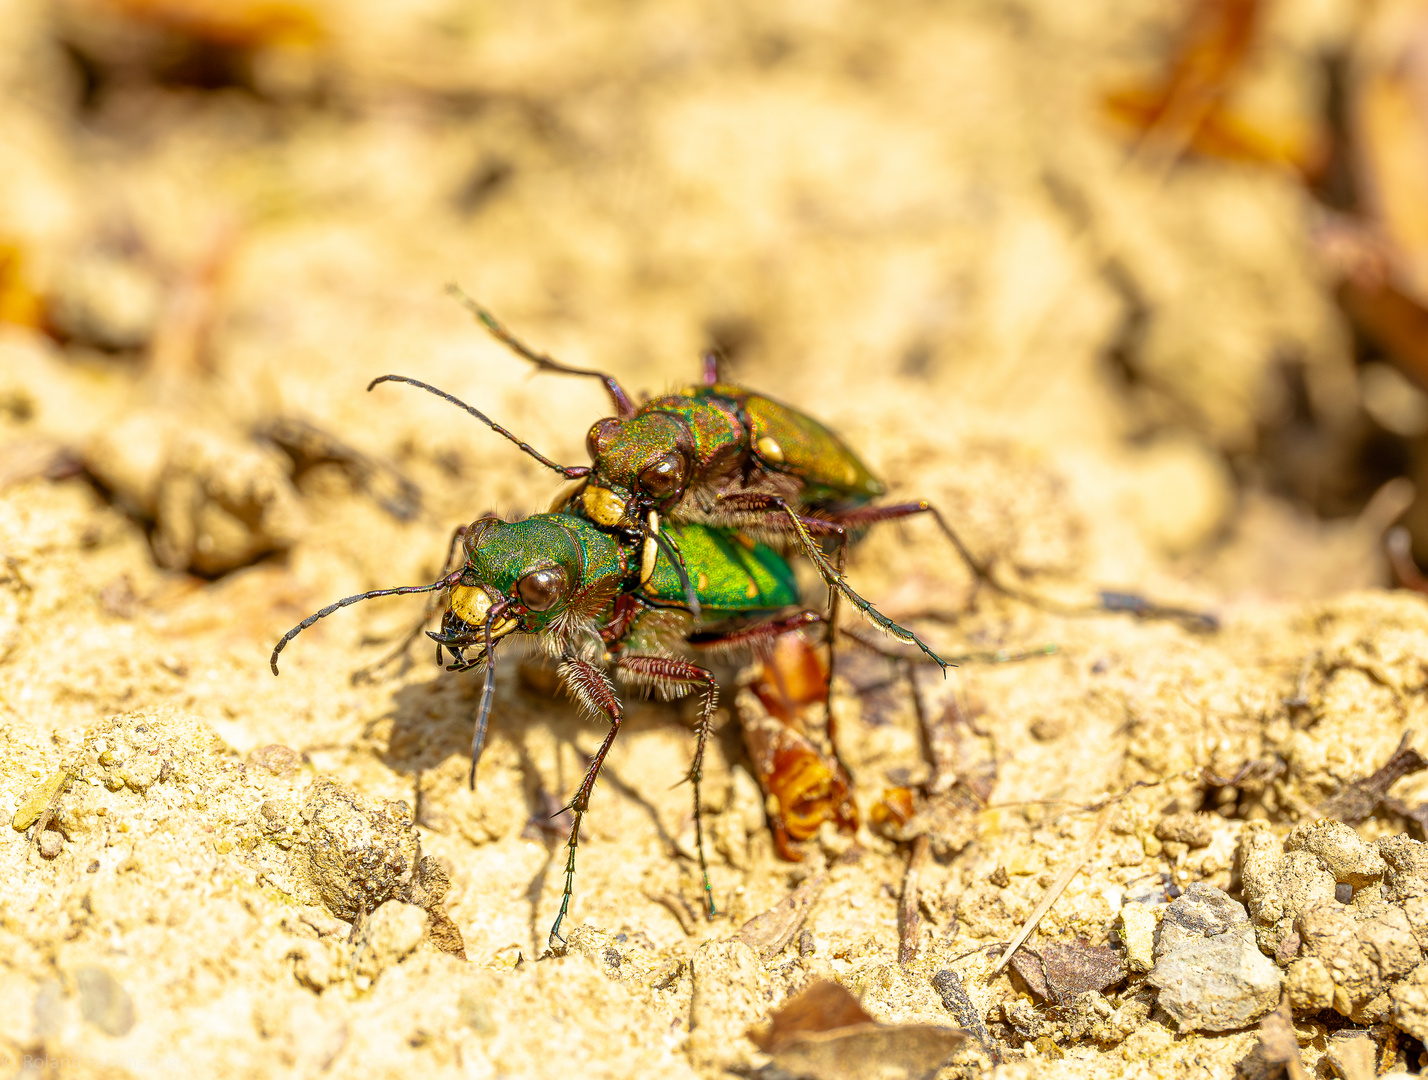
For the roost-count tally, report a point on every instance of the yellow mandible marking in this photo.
(702, 582)
(602, 506)
(470, 604)
(769, 449)
(650, 553)
(751, 590)
(504, 626)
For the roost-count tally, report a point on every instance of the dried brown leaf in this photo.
(824, 1033)
(1057, 972)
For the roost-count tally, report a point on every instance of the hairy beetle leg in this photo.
(803, 527)
(667, 671)
(589, 686)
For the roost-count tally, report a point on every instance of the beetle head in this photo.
(640, 464)
(519, 576)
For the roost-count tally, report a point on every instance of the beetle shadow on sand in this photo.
(429, 726)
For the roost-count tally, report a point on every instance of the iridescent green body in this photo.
(720, 455)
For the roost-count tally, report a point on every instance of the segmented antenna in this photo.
(570, 472)
(621, 400)
(446, 582)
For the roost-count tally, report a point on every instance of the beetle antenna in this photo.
(488, 693)
(446, 582)
(677, 561)
(618, 397)
(570, 472)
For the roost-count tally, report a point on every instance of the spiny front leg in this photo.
(863, 516)
(667, 672)
(588, 685)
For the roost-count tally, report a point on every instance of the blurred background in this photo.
(1134, 288)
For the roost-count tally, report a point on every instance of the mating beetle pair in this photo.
(605, 587)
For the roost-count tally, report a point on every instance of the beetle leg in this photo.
(1137, 605)
(863, 516)
(803, 527)
(751, 636)
(790, 757)
(664, 671)
(589, 686)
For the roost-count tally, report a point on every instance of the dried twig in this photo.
(1057, 887)
(909, 922)
(1357, 801)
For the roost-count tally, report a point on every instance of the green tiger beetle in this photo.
(597, 605)
(720, 455)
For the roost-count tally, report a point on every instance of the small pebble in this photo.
(1209, 970)
(281, 761)
(1138, 933)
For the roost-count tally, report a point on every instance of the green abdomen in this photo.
(729, 573)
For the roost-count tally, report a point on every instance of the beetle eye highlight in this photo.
(541, 589)
(664, 477)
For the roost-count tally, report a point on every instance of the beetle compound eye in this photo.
(600, 435)
(540, 589)
(477, 532)
(664, 477)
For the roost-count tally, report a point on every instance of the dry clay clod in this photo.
(1362, 958)
(356, 852)
(325, 845)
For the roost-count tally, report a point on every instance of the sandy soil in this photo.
(909, 221)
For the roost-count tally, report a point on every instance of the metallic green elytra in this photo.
(792, 442)
(730, 574)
